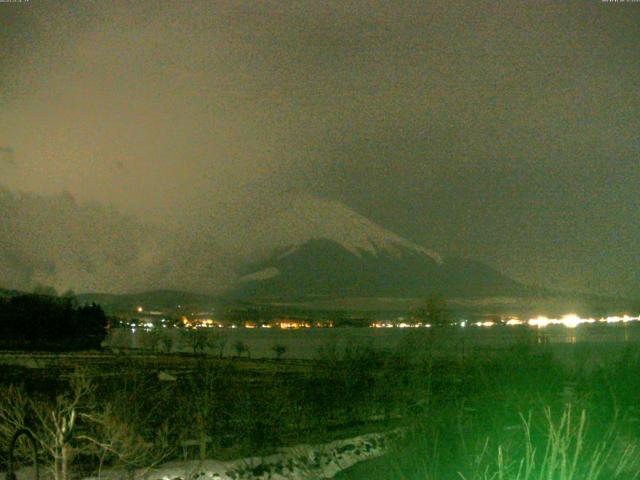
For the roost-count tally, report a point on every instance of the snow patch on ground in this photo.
(302, 462)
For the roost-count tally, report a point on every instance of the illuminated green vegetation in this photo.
(519, 416)
(501, 414)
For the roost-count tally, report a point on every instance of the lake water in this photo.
(591, 342)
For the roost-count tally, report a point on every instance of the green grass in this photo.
(520, 416)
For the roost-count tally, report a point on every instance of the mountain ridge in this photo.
(317, 247)
(324, 267)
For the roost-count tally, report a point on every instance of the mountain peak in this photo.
(301, 218)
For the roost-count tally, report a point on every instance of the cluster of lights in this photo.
(146, 326)
(291, 324)
(623, 319)
(200, 323)
(485, 324)
(282, 324)
(399, 325)
(570, 321)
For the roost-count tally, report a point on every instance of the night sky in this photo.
(507, 132)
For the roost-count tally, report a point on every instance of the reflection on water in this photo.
(626, 333)
(307, 343)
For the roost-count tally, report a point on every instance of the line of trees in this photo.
(44, 322)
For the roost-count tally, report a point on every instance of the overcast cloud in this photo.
(502, 131)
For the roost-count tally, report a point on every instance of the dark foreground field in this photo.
(513, 413)
(138, 410)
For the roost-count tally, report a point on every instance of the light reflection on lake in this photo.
(597, 339)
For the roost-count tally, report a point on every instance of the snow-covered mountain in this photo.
(299, 219)
(313, 247)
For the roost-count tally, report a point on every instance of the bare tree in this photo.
(195, 339)
(279, 350)
(73, 424)
(241, 348)
(218, 341)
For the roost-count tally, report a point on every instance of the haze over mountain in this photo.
(53, 240)
(302, 246)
